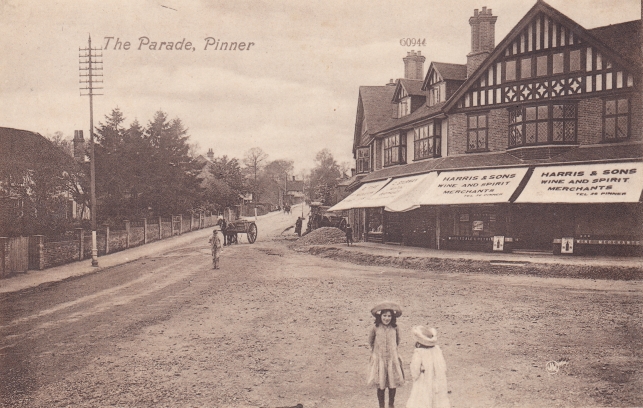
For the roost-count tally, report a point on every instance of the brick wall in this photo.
(498, 130)
(590, 121)
(60, 253)
(136, 236)
(186, 222)
(152, 232)
(100, 244)
(636, 104)
(457, 138)
(167, 229)
(117, 240)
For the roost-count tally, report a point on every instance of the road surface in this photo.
(276, 327)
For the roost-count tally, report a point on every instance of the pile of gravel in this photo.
(323, 236)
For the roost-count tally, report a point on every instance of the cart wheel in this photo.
(252, 233)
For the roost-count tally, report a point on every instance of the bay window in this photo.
(394, 149)
(542, 124)
(427, 141)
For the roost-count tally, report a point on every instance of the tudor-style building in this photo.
(534, 144)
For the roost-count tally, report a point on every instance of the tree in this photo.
(254, 160)
(227, 183)
(324, 177)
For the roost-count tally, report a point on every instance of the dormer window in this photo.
(437, 93)
(404, 107)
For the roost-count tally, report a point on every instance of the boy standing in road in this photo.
(349, 234)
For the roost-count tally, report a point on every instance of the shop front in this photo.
(388, 208)
(355, 204)
(473, 210)
(582, 209)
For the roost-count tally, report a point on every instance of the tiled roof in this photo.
(378, 108)
(583, 154)
(27, 147)
(413, 86)
(423, 112)
(624, 38)
(457, 72)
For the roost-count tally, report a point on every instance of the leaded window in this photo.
(426, 141)
(363, 159)
(394, 149)
(542, 124)
(616, 119)
(477, 132)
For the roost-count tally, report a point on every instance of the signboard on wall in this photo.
(585, 183)
(487, 186)
(478, 226)
(567, 245)
(498, 243)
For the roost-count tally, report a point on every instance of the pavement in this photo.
(31, 279)
(494, 257)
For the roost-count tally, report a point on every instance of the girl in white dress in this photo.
(429, 372)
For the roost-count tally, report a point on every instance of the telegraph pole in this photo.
(91, 67)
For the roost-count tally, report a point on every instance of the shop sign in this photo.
(478, 226)
(474, 186)
(567, 245)
(358, 196)
(585, 183)
(498, 243)
(402, 194)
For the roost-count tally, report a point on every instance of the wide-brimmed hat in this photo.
(387, 305)
(427, 336)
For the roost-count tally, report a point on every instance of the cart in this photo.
(243, 227)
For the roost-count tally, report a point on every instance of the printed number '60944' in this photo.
(411, 42)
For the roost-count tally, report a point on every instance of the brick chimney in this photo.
(414, 65)
(483, 41)
(391, 82)
(79, 146)
(210, 154)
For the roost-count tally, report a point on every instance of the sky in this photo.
(292, 93)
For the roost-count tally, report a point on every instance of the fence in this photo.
(39, 252)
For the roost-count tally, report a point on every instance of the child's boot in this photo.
(391, 397)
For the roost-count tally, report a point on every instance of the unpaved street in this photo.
(276, 327)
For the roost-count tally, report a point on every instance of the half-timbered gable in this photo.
(408, 96)
(550, 82)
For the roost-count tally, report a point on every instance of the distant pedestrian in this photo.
(385, 366)
(298, 225)
(349, 234)
(429, 372)
(215, 243)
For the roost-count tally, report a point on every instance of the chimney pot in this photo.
(484, 10)
(475, 12)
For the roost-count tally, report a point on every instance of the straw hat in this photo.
(386, 305)
(427, 336)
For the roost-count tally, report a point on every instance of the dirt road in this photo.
(274, 327)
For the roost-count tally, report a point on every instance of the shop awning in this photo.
(358, 196)
(402, 194)
(488, 186)
(585, 183)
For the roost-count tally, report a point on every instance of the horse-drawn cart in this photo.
(243, 227)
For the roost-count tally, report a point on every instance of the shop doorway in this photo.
(536, 226)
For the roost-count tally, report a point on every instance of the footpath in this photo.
(33, 279)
